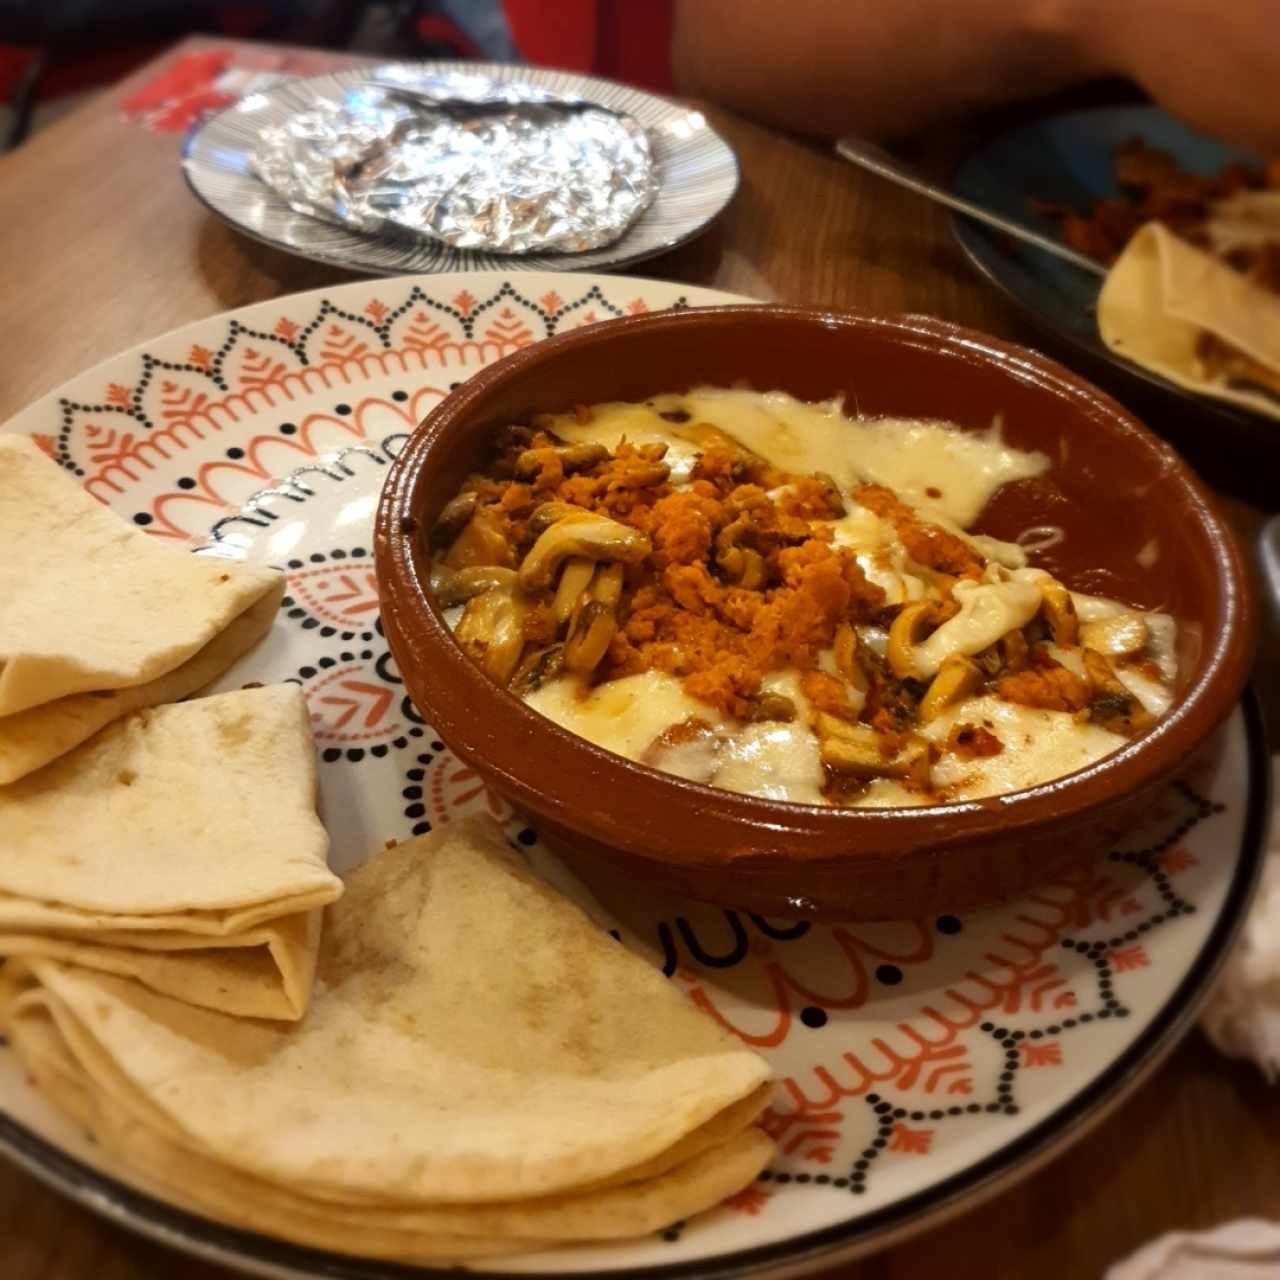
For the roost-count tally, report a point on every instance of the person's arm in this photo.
(886, 68)
(879, 68)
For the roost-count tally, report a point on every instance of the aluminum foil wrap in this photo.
(472, 162)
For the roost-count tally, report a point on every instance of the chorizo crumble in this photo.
(574, 558)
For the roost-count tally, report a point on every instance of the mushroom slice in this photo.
(573, 457)
(606, 586)
(460, 585)
(905, 632)
(1123, 636)
(1007, 656)
(575, 578)
(743, 566)
(844, 650)
(587, 535)
(770, 706)
(707, 436)
(589, 637)
(1013, 650)
(639, 473)
(491, 630)
(537, 668)
(957, 678)
(454, 518)
(549, 512)
(482, 542)
(855, 750)
(750, 571)
(1112, 705)
(1059, 611)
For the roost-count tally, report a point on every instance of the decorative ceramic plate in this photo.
(922, 1064)
(1068, 159)
(696, 169)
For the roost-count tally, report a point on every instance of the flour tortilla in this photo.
(474, 1041)
(90, 602)
(99, 619)
(30, 739)
(1163, 293)
(180, 847)
(418, 1233)
(176, 1174)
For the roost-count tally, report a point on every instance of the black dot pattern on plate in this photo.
(413, 794)
(813, 1017)
(885, 1122)
(292, 609)
(1058, 1022)
(1047, 1044)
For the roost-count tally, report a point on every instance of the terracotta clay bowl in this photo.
(1138, 526)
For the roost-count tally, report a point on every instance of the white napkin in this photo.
(1242, 1017)
(1244, 1250)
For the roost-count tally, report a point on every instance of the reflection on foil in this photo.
(472, 162)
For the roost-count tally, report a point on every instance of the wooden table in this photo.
(103, 246)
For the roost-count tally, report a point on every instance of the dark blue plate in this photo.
(1067, 158)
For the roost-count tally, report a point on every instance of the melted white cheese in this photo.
(624, 715)
(949, 476)
(1162, 634)
(774, 759)
(934, 466)
(1037, 746)
(637, 424)
(988, 610)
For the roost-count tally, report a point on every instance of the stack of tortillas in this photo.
(98, 618)
(1164, 296)
(482, 1070)
(181, 847)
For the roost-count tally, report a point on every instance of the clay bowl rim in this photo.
(463, 696)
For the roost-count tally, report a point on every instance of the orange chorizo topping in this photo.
(827, 694)
(927, 544)
(891, 735)
(812, 498)
(682, 527)
(589, 564)
(723, 641)
(972, 741)
(1049, 686)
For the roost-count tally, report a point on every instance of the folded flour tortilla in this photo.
(180, 847)
(1164, 295)
(98, 618)
(481, 1068)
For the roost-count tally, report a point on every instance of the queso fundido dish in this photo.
(769, 596)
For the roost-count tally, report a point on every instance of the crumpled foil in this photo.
(473, 162)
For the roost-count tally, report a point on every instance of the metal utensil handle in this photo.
(868, 156)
